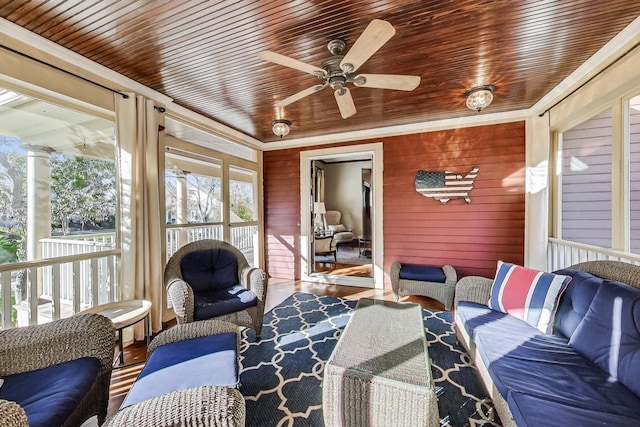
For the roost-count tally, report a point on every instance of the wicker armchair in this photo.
(182, 294)
(442, 292)
(199, 406)
(35, 347)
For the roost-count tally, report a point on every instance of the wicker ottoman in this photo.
(379, 373)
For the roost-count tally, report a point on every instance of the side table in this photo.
(124, 314)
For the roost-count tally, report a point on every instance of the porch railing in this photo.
(243, 237)
(22, 287)
(563, 253)
(78, 272)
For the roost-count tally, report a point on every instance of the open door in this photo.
(358, 262)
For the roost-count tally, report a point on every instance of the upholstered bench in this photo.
(438, 283)
(190, 378)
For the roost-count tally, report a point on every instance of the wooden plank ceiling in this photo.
(203, 54)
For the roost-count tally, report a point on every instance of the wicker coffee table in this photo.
(379, 373)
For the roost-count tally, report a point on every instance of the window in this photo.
(242, 195)
(586, 182)
(210, 194)
(58, 204)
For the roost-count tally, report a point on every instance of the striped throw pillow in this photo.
(527, 294)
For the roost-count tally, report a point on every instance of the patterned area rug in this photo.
(281, 374)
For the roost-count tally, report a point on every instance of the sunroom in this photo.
(103, 176)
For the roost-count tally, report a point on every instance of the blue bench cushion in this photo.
(223, 301)
(522, 359)
(51, 394)
(207, 269)
(210, 360)
(422, 273)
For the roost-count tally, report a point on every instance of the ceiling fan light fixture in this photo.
(479, 97)
(280, 127)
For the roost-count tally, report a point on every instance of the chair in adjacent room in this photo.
(341, 234)
(325, 245)
(209, 279)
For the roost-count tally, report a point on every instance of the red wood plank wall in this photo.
(417, 229)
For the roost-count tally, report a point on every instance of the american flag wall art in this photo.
(444, 186)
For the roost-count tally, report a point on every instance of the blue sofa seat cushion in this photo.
(422, 273)
(522, 359)
(222, 301)
(208, 269)
(51, 394)
(210, 360)
(533, 411)
(609, 334)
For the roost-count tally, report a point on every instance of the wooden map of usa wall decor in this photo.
(444, 186)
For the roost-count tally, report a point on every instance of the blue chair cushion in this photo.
(219, 302)
(423, 273)
(575, 300)
(210, 360)
(208, 269)
(51, 394)
(609, 334)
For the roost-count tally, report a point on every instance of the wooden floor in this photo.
(279, 290)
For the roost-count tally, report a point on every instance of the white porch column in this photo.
(38, 198)
(536, 222)
(182, 198)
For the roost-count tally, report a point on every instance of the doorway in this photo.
(341, 200)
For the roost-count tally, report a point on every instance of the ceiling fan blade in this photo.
(377, 33)
(295, 97)
(276, 58)
(345, 102)
(387, 81)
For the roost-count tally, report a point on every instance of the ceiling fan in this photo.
(340, 69)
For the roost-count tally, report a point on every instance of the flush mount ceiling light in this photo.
(479, 97)
(281, 127)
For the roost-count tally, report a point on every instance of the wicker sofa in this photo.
(584, 373)
(56, 373)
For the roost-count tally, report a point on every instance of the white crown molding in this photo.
(436, 125)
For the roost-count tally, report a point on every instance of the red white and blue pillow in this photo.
(527, 294)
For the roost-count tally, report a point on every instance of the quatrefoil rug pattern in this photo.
(281, 375)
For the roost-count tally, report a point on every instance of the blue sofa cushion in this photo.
(527, 294)
(208, 269)
(219, 302)
(533, 411)
(51, 394)
(210, 360)
(575, 301)
(422, 273)
(521, 359)
(609, 334)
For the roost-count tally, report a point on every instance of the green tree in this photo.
(242, 200)
(204, 196)
(82, 189)
(13, 187)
